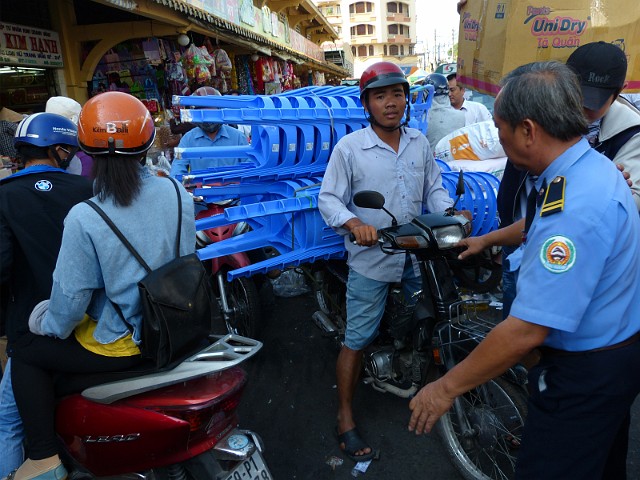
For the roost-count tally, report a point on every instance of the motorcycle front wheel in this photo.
(483, 438)
(243, 301)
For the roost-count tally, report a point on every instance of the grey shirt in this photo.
(409, 180)
(442, 119)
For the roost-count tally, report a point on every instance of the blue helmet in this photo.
(45, 130)
(439, 82)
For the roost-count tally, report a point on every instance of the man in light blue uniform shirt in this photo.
(397, 162)
(577, 292)
(207, 135)
(197, 137)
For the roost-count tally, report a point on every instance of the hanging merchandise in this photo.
(234, 74)
(245, 83)
(112, 58)
(151, 49)
(178, 80)
(223, 62)
(99, 83)
(137, 90)
(196, 66)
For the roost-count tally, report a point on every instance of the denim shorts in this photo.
(366, 299)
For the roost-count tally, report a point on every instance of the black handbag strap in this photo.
(126, 242)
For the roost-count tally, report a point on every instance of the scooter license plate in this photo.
(253, 468)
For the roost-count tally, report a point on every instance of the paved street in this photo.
(290, 401)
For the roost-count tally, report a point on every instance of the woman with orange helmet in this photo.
(91, 322)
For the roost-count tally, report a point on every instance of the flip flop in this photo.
(353, 442)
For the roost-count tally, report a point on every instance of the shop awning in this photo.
(236, 30)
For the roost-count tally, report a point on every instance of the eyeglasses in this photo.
(68, 152)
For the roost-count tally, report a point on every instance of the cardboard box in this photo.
(496, 36)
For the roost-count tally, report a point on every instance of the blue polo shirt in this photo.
(226, 136)
(580, 270)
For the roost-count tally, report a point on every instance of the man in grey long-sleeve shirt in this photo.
(397, 162)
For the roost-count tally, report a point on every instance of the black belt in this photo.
(555, 352)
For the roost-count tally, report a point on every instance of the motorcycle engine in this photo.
(379, 364)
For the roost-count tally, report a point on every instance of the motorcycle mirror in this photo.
(460, 184)
(372, 199)
(460, 187)
(369, 199)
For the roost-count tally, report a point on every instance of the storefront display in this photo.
(28, 57)
(25, 90)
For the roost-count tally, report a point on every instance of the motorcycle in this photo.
(482, 431)
(239, 299)
(172, 424)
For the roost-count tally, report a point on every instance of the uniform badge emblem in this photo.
(558, 254)
(43, 185)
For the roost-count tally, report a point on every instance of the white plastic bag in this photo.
(478, 141)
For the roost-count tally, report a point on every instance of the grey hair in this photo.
(547, 93)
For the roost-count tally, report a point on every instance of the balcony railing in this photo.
(362, 39)
(398, 17)
(362, 17)
(392, 38)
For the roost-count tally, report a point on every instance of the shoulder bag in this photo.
(177, 307)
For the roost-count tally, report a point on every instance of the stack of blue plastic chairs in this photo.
(278, 179)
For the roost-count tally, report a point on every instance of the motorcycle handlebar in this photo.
(352, 238)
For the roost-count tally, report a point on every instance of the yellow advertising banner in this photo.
(496, 36)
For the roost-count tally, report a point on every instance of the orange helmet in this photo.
(115, 123)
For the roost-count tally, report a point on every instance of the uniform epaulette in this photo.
(554, 197)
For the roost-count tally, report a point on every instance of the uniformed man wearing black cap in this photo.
(602, 68)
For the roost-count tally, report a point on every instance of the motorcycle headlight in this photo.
(449, 235)
(412, 241)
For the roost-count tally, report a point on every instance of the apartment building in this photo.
(373, 30)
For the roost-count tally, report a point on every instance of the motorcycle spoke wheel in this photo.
(486, 446)
(244, 303)
(330, 293)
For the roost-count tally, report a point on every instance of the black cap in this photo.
(601, 68)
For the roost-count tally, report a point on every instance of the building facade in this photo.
(373, 30)
(78, 48)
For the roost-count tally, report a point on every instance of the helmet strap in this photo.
(63, 164)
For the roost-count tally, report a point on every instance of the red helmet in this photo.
(115, 123)
(382, 74)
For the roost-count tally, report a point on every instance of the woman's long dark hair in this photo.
(117, 177)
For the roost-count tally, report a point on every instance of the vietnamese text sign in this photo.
(28, 46)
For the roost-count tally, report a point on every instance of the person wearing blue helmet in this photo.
(442, 117)
(33, 205)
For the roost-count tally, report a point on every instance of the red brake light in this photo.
(207, 415)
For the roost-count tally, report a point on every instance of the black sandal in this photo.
(353, 443)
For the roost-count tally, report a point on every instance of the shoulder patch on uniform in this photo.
(43, 185)
(558, 254)
(553, 197)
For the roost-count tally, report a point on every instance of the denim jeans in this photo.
(11, 432)
(366, 300)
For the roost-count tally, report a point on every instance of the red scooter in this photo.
(239, 300)
(174, 424)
